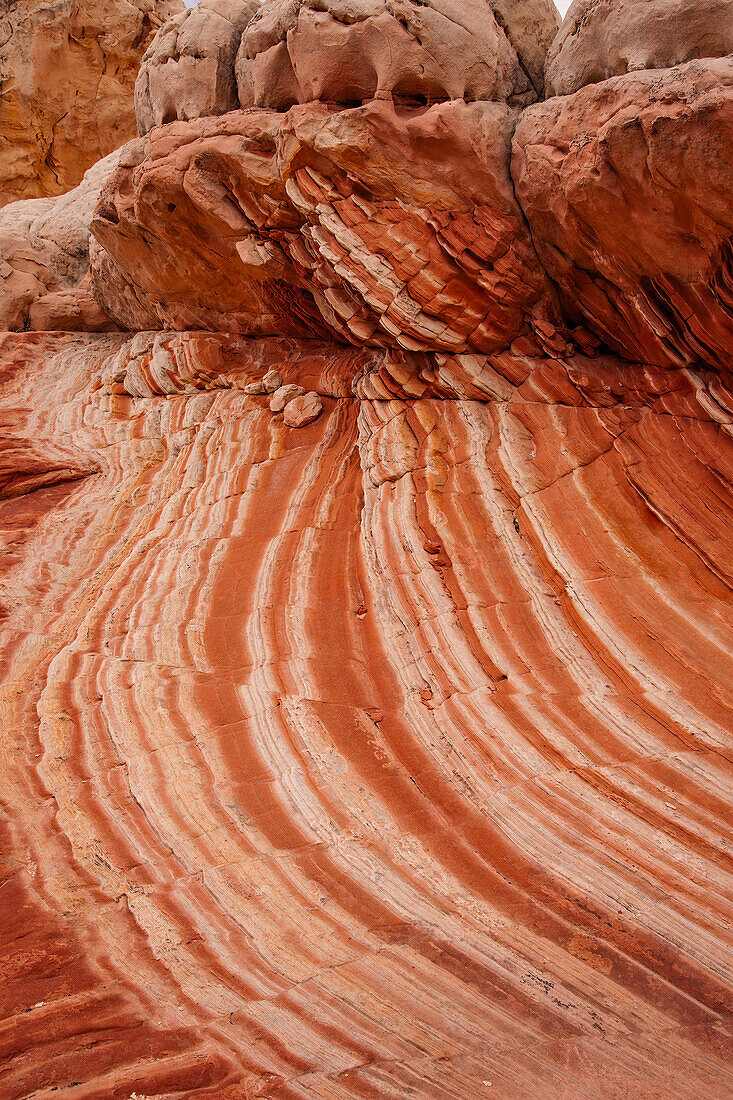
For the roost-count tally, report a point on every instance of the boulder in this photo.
(188, 69)
(303, 410)
(282, 396)
(604, 38)
(272, 381)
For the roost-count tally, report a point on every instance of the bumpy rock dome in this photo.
(604, 38)
(188, 69)
(350, 51)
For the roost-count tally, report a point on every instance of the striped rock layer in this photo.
(365, 505)
(386, 757)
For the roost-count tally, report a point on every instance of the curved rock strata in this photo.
(261, 222)
(492, 847)
(365, 597)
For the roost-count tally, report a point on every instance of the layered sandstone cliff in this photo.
(366, 580)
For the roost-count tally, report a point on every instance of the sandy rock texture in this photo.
(67, 74)
(45, 280)
(365, 589)
(188, 69)
(604, 38)
(351, 51)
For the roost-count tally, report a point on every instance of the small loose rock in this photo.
(283, 396)
(272, 381)
(303, 410)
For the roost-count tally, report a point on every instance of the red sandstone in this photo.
(387, 755)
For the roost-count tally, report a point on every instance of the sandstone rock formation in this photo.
(67, 74)
(188, 69)
(263, 222)
(45, 280)
(626, 187)
(351, 51)
(382, 757)
(604, 38)
(366, 636)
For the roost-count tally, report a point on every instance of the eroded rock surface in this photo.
(351, 51)
(45, 280)
(604, 38)
(188, 70)
(626, 187)
(67, 74)
(365, 655)
(263, 222)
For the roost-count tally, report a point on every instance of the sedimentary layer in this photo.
(365, 588)
(387, 756)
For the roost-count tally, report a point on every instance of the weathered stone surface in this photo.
(626, 187)
(188, 69)
(284, 394)
(387, 758)
(272, 381)
(303, 410)
(261, 222)
(67, 73)
(351, 51)
(44, 259)
(402, 720)
(604, 38)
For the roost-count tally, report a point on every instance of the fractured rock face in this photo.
(67, 71)
(263, 223)
(351, 51)
(626, 186)
(604, 38)
(188, 70)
